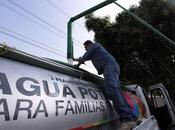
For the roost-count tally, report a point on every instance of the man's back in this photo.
(99, 56)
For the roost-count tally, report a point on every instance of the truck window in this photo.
(158, 99)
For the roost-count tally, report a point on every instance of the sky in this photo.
(39, 27)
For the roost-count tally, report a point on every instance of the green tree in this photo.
(144, 57)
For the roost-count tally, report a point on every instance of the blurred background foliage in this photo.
(144, 57)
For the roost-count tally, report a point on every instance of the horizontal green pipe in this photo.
(92, 9)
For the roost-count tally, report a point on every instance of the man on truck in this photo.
(105, 64)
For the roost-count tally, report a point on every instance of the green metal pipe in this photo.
(147, 25)
(69, 41)
(69, 32)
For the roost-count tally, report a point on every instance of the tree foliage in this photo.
(144, 57)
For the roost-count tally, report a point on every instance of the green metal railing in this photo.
(69, 36)
(69, 33)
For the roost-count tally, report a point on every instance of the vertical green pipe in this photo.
(69, 32)
(69, 40)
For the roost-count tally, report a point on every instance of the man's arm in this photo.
(87, 55)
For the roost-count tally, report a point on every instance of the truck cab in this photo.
(158, 104)
(162, 107)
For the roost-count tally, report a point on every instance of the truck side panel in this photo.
(33, 98)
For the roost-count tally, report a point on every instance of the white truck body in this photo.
(33, 98)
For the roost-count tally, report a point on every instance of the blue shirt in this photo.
(99, 57)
